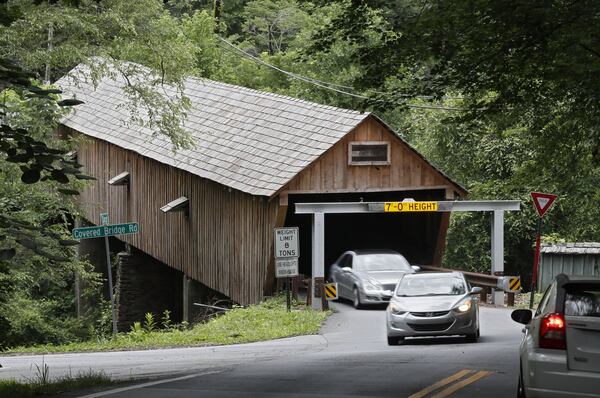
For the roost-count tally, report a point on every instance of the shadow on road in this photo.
(441, 340)
(348, 304)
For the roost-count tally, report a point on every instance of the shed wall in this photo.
(225, 242)
(552, 264)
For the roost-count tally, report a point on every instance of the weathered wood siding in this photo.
(226, 240)
(331, 172)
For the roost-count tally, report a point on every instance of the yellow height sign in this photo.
(410, 206)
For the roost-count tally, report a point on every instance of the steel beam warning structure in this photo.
(318, 211)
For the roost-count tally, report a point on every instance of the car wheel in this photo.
(394, 340)
(472, 338)
(521, 387)
(356, 299)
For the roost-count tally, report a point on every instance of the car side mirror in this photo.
(415, 268)
(346, 269)
(475, 290)
(522, 316)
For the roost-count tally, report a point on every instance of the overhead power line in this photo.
(327, 85)
(290, 74)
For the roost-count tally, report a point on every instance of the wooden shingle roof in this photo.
(246, 139)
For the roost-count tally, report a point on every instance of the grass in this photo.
(265, 321)
(43, 385)
(522, 300)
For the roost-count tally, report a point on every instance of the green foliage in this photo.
(522, 300)
(272, 24)
(166, 322)
(44, 386)
(37, 177)
(149, 323)
(523, 106)
(136, 328)
(52, 38)
(265, 321)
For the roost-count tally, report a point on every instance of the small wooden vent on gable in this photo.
(368, 153)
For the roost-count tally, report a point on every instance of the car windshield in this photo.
(430, 286)
(381, 262)
(583, 300)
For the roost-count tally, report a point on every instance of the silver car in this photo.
(369, 276)
(433, 304)
(560, 352)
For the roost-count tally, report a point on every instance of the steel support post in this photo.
(318, 254)
(498, 252)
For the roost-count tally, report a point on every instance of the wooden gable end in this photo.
(332, 172)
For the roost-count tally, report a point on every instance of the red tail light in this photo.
(552, 332)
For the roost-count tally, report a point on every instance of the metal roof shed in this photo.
(582, 259)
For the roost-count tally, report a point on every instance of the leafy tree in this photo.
(37, 177)
(28, 113)
(272, 24)
(528, 117)
(52, 38)
(37, 259)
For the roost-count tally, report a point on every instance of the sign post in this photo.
(104, 221)
(287, 251)
(105, 231)
(542, 202)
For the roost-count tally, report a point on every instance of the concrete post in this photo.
(498, 252)
(318, 254)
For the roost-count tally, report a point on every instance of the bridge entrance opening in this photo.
(351, 220)
(414, 235)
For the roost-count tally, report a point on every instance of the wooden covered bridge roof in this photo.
(249, 140)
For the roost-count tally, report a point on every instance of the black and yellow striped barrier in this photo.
(510, 284)
(331, 291)
(514, 283)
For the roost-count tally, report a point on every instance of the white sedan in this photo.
(369, 276)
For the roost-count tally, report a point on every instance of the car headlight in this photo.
(395, 309)
(464, 306)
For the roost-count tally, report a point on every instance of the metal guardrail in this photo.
(485, 280)
(473, 277)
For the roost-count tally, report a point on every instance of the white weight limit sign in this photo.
(286, 242)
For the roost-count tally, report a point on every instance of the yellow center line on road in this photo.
(441, 383)
(461, 384)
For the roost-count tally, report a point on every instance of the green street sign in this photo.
(106, 230)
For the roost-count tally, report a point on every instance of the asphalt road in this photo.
(349, 359)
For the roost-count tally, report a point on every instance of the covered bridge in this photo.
(256, 155)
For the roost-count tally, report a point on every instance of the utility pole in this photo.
(218, 6)
(50, 39)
